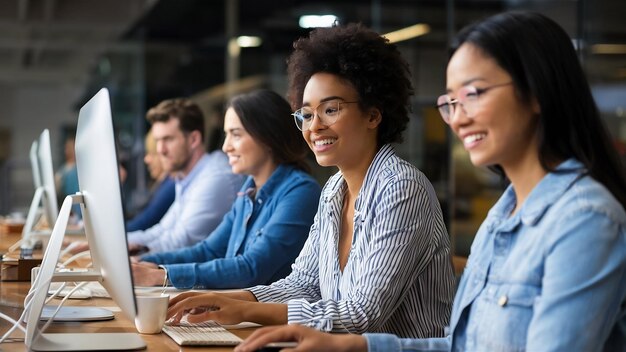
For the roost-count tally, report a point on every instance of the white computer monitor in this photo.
(34, 163)
(45, 193)
(46, 170)
(100, 198)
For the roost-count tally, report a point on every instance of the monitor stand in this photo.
(75, 313)
(88, 342)
(38, 341)
(27, 231)
(31, 236)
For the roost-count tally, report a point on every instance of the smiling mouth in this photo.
(323, 142)
(474, 138)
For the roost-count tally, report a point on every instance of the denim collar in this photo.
(543, 195)
(276, 179)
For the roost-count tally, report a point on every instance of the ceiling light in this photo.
(407, 33)
(233, 48)
(245, 41)
(315, 21)
(608, 48)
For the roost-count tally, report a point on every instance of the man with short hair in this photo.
(205, 184)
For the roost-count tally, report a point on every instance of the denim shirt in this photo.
(550, 277)
(257, 240)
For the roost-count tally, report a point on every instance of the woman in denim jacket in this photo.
(547, 270)
(262, 234)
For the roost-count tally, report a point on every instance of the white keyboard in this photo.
(208, 333)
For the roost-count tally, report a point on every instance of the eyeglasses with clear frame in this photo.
(467, 97)
(328, 113)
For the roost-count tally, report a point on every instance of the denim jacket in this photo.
(552, 277)
(257, 240)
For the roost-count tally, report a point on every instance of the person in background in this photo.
(547, 269)
(162, 191)
(205, 186)
(378, 255)
(267, 226)
(66, 178)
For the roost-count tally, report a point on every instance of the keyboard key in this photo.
(208, 333)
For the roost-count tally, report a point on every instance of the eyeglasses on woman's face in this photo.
(466, 97)
(328, 113)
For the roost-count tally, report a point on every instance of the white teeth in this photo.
(473, 138)
(324, 141)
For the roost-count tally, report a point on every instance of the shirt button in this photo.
(503, 301)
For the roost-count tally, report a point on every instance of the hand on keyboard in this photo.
(202, 306)
(203, 334)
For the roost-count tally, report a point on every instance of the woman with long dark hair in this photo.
(547, 269)
(263, 233)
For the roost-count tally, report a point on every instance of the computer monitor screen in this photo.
(103, 213)
(44, 156)
(45, 193)
(101, 203)
(34, 163)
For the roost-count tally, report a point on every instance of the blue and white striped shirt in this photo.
(398, 278)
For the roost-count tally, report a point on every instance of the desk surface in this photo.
(12, 301)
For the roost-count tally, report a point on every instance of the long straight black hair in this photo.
(542, 62)
(266, 116)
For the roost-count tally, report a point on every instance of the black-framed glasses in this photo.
(467, 98)
(328, 113)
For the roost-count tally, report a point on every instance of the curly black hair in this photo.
(364, 58)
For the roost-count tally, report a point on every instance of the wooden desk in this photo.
(12, 303)
(7, 239)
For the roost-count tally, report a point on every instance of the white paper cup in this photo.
(151, 312)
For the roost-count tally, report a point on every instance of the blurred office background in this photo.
(55, 54)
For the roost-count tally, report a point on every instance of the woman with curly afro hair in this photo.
(378, 255)
(547, 269)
